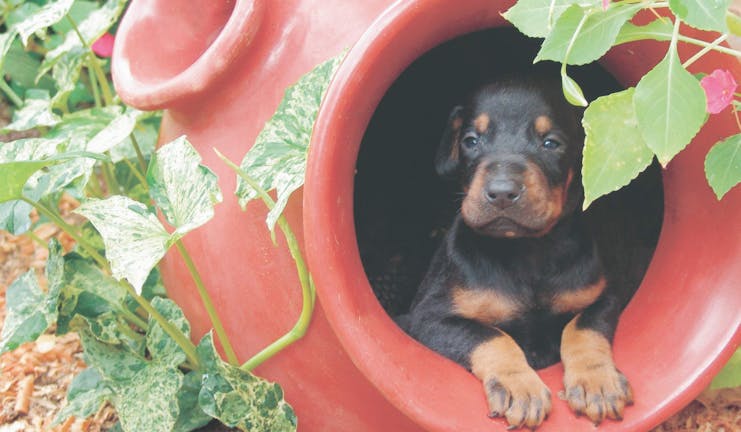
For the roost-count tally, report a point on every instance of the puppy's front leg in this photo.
(593, 385)
(513, 389)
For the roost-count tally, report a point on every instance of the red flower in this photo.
(719, 88)
(605, 4)
(103, 47)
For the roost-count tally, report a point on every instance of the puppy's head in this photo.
(516, 148)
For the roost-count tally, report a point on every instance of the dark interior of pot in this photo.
(402, 208)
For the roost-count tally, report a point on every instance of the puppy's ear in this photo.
(447, 158)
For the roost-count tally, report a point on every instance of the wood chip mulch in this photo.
(34, 377)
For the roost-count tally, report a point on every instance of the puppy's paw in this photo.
(598, 391)
(520, 397)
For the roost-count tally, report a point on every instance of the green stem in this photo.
(69, 229)
(139, 154)
(94, 64)
(308, 290)
(705, 50)
(209, 305)
(133, 318)
(93, 186)
(701, 43)
(181, 339)
(137, 174)
(110, 178)
(94, 87)
(17, 101)
(128, 331)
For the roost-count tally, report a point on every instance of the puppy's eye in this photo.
(470, 141)
(551, 143)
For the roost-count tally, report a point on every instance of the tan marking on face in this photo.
(543, 125)
(484, 305)
(513, 389)
(474, 208)
(593, 385)
(482, 123)
(546, 203)
(577, 300)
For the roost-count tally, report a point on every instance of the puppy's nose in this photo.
(503, 193)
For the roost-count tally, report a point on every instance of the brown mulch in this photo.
(34, 377)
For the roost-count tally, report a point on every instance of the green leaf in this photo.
(35, 112)
(14, 175)
(191, 415)
(239, 399)
(66, 74)
(183, 189)
(723, 165)
(278, 158)
(161, 346)
(21, 67)
(90, 293)
(114, 363)
(614, 150)
(583, 36)
(730, 375)
(43, 18)
(85, 396)
(30, 311)
(93, 27)
(25, 156)
(536, 18)
(144, 392)
(135, 240)
(14, 217)
(115, 132)
(670, 107)
(733, 21)
(149, 401)
(659, 29)
(571, 90)
(702, 14)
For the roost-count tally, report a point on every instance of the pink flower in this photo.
(719, 88)
(103, 47)
(605, 4)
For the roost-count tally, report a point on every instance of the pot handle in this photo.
(168, 51)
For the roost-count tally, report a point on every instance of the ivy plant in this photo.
(86, 143)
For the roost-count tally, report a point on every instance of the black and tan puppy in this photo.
(517, 282)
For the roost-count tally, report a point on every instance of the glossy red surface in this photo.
(220, 69)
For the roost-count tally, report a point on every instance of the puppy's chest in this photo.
(499, 301)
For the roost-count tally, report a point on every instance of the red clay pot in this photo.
(220, 69)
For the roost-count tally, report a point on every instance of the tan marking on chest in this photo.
(579, 299)
(481, 123)
(485, 306)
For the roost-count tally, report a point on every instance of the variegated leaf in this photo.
(183, 189)
(278, 158)
(36, 111)
(30, 311)
(135, 240)
(115, 132)
(49, 14)
(239, 399)
(91, 29)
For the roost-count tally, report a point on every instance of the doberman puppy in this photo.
(518, 282)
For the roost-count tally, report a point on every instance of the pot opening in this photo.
(402, 208)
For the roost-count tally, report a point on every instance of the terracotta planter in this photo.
(220, 70)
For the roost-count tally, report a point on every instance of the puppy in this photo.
(517, 283)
